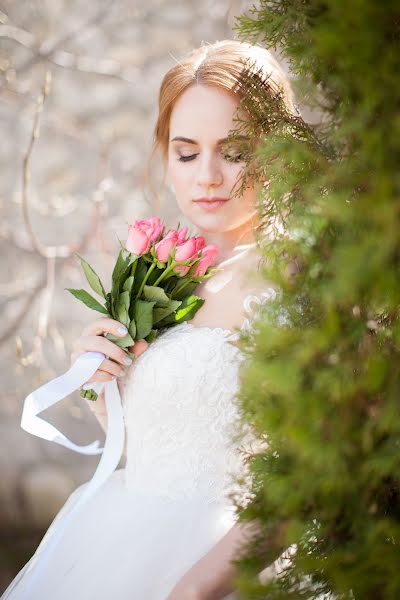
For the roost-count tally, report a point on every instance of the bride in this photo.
(164, 528)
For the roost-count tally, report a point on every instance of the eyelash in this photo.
(237, 158)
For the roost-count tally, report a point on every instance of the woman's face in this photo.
(200, 165)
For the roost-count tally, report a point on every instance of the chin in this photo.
(211, 224)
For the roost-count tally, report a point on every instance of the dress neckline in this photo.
(245, 248)
(206, 328)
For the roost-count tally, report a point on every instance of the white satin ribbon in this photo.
(42, 398)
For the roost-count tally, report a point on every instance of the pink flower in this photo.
(189, 249)
(182, 233)
(208, 256)
(142, 233)
(181, 270)
(200, 242)
(164, 247)
(185, 249)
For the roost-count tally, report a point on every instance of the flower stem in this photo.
(181, 288)
(145, 279)
(164, 273)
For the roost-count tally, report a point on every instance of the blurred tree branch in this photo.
(47, 49)
(46, 286)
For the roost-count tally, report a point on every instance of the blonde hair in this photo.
(223, 64)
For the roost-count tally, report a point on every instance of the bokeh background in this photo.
(73, 188)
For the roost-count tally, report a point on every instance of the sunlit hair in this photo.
(222, 65)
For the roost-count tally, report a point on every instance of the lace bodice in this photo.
(181, 416)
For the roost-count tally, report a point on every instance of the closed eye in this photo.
(228, 157)
(186, 158)
(233, 157)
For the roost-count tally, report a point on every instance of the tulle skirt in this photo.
(124, 544)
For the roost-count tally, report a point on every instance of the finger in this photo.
(97, 343)
(100, 377)
(109, 366)
(105, 325)
(139, 347)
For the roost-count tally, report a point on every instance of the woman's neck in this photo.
(231, 243)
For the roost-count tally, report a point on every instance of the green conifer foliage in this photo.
(322, 377)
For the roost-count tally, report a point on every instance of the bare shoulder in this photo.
(252, 276)
(228, 293)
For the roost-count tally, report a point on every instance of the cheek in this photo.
(235, 170)
(246, 199)
(180, 177)
(234, 176)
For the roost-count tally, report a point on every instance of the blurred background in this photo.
(72, 178)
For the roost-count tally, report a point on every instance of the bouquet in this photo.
(153, 282)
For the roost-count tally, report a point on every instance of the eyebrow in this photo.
(179, 138)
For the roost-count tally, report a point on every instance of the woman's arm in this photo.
(211, 578)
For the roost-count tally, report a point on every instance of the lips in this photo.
(211, 199)
(211, 203)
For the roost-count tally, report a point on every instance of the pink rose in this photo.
(164, 247)
(208, 256)
(182, 233)
(189, 249)
(181, 270)
(141, 234)
(200, 242)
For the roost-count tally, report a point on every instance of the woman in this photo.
(163, 528)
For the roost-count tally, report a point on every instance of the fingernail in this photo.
(127, 360)
(122, 330)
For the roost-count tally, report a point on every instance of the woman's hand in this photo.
(114, 365)
(92, 340)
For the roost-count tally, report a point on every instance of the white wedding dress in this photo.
(151, 521)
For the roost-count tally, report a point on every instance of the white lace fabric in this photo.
(181, 439)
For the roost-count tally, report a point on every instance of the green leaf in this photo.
(183, 289)
(127, 287)
(119, 275)
(132, 328)
(119, 268)
(155, 294)
(124, 342)
(190, 305)
(162, 312)
(122, 308)
(92, 278)
(125, 299)
(189, 308)
(133, 265)
(152, 336)
(154, 276)
(140, 273)
(143, 317)
(87, 299)
(122, 245)
(109, 305)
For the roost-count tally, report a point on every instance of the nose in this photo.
(209, 173)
